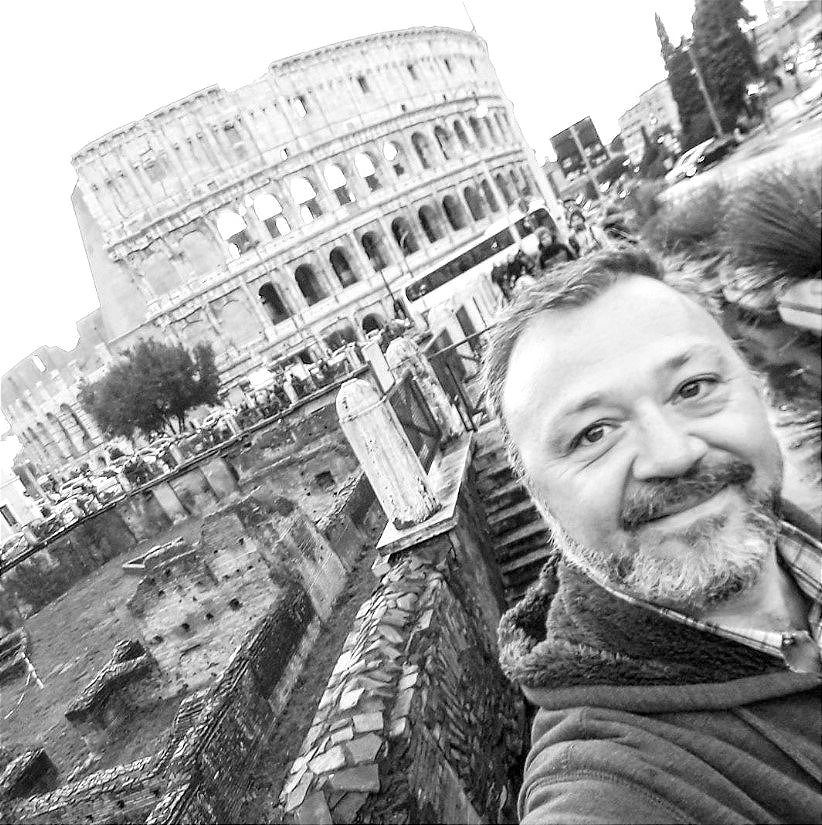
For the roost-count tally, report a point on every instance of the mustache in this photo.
(660, 497)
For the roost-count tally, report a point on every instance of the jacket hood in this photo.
(569, 643)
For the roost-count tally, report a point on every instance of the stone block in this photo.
(362, 778)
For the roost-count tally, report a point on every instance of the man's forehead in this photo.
(633, 321)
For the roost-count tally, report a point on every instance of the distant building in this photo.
(656, 109)
(567, 151)
(277, 219)
(556, 179)
(788, 25)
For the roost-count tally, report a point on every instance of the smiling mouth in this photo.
(691, 509)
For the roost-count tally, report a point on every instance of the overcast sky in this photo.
(74, 71)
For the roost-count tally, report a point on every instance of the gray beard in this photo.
(716, 558)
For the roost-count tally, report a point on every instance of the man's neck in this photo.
(774, 603)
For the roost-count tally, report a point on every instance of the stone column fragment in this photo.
(385, 454)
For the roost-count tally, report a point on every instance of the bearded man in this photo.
(672, 642)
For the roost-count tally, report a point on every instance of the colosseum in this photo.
(289, 216)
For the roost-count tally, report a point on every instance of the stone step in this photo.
(488, 458)
(510, 511)
(500, 492)
(524, 532)
(535, 542)
(520, 561)
(523, 576)
(499, 466)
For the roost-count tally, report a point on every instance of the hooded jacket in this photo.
(644, 719)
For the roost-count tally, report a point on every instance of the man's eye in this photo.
(589, 436)
(695, 387)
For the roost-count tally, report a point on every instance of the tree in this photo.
(725, 55)
(693, 117)
(152, 387)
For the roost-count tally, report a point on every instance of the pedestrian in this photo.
(671, 645)
(551, 251)
(583, 239)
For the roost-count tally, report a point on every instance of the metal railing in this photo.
(416, 419)
(458, 366)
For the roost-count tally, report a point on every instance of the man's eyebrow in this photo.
(679, 360)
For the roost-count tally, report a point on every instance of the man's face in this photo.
(644, 435)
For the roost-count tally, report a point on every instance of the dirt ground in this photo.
(71, 639)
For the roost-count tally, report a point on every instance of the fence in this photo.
(457, 366)
(416, 419)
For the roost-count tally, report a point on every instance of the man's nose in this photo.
(665, 448)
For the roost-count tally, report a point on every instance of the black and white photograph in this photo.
(411, 413)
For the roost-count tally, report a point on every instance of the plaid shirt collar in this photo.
(801, 651)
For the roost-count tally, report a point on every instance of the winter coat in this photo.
(643, 719)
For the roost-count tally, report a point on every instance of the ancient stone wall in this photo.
(303, 456)
(418, 723)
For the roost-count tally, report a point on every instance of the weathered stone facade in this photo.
(274, 219)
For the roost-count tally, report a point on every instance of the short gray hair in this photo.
(571, 285)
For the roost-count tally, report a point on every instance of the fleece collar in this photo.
(570, 636)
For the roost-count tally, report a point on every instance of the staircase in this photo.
(519, 532)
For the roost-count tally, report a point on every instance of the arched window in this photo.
(474, 203)
(273, 302)
(373, 249)
(234, 231)
(373, 322)
(308, 283)
(488, 194)
(476, 128)
(512, 173)
(504, 187)
(492, 132)
(454, 212)
(462, 137)
(47, 442)
(444, 141)
(341, 266)
(500, 125)
(528, 182)
(368, 171)
(304, 195)
(423, 149)
(335, 178)
(267, 208)
(404, 236)
(75, 423)
(339, 336)
(61, 435)
(430, 222)
(394, 154)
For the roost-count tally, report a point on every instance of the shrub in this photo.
(642, 199)
(775, 222)
(692, 224)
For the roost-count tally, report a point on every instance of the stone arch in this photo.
(528, 182)
(159, 272)
(338, 183)
(476, 128)
(236, 317)
(454, 212)
(515, 181)
(373, 322)
(234, 231)
(309, 284)
(395, 155)
(273, 302)
(488, 194)
(202, 254)
(502, 130)
(444, 141)
(367, 169)
(48, 442)
(504, 187)
(462, 135)
(62, 438)
(404, 236)
(423, 149)
(82, 434)
(430, 222)
(491, 129)
(305, 196)
(270, 211)
(372, 246)
(342, 267)
(474, 202)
